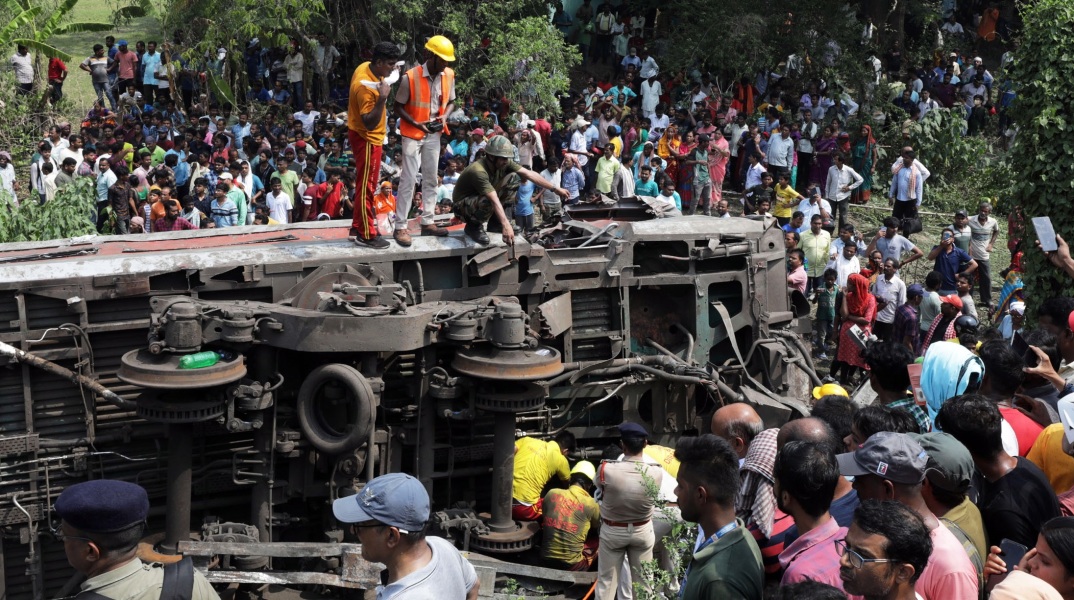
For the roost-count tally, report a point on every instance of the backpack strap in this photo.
(178, 580)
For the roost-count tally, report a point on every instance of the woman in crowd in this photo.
(823, 152)
(864, 156)
(684, 179)
(1051, 561)
(858, 308)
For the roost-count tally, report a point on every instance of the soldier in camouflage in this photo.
(489, 186)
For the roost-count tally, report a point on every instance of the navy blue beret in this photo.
(103, 505)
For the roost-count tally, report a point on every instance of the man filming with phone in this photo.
(950, 262)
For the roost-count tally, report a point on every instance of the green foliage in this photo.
(525, 57)
(66, 215)
(653, 582)
(738, 38)
(1043, 152)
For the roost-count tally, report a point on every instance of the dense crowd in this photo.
(957, 482)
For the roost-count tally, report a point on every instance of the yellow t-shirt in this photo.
(362, 100)
(536, 462)
(1047, 453)
(664, 456)
(570, 515)
(786, 201)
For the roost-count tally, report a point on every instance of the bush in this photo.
(69, 214)
(1043, 153)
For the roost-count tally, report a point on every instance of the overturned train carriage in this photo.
(339, 363)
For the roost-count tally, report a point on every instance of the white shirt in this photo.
(104, 181)
(7, 182)
(578, 145)
(893, 292)
(844, 268)
(308, 120)
(809, 133)
(24, 68)
(780, 151)
(649, 68)
(659, 124)
(650, 97)
(809, 209)
(548, 197)
(838, 179)
(280, 206)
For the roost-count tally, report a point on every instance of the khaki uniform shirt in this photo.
(141, 581)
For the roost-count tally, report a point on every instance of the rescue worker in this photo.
(536, 462)
(626, 511)
(101, 524)
(490, 186)
(425, 98)
(367, 124)
(571, 521)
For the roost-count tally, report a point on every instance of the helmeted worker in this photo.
(425, 98)
(101, 524)
(536, 463)
(490, 186)
(571, 521)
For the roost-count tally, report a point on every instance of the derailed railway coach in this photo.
(318, 365)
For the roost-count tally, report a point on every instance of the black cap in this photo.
(103, 505)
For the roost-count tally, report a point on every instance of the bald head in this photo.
(737, 423)
(809, 429)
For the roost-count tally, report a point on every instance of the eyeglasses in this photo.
(57, 534)
(856, 560)
(370, 524)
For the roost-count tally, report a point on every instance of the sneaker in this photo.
(434, 230)
(402, 237)
(476, 231)
(377, 243)
(822, 356)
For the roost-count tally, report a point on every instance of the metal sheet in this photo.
(556, 314)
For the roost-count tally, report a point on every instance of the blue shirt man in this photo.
(908, 184)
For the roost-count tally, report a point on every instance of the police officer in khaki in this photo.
(102, 522)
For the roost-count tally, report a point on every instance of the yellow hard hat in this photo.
(585, 468)
(829, 389)
(442, 47)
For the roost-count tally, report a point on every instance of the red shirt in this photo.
(56, 69)
(1025, 429)
(179, 224)
(331, 199)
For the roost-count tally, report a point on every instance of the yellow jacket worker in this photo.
(536, 462)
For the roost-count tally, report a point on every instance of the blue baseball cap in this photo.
(121, 43)
(395, 499)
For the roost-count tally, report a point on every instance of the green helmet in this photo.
(500, 146)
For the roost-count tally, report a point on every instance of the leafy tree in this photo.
(37, 25)
(1043, 151)
(509, 46)
(67, 215)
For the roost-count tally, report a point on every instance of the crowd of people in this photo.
(780, 140)
(957, 482)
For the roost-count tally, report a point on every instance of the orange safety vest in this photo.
(420, 104)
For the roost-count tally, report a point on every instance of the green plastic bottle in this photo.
(200, 360)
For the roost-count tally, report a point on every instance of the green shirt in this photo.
(158, 156)
(141, 581)
(570, 516)
(728, 569)
(480, 178)
(239, 198)
(606, 170)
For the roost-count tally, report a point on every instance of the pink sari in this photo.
(718, 166)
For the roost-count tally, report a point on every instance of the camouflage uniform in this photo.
(479, 209)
